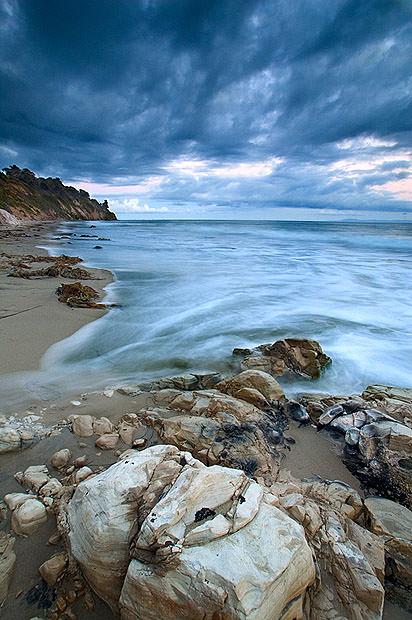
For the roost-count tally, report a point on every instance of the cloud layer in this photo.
(246, 105)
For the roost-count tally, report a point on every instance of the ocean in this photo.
(188, 292)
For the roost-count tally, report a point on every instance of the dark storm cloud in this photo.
(113, 91)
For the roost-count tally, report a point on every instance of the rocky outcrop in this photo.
(7, 562)
(27, 197)
(254, 386)
(292, 355)
(378, 448)
(350, 560)
(159, 535)
(394, 524)
(8, 219)
(218, 428)
(395, 401)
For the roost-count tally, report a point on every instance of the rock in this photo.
(397, 437)
(352, 436)
(126, 432)
(107, 442)
(256, 380)
(330, 414)
(158, 552)
(10, 440)
(395, 401)
(394, 523)
(216, 428)
(7, 562)
(81, 461)
(108, 392)
(378, 448)
(53, 569)
(52, 488)
(61, 458)
(350, 559)
(28, 517)
(298, 356)
(82, 425)
(82, 473)
(296, 412)
(34, 477)
(14, 500)
(102, 426)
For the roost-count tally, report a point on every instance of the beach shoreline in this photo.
(31, 317)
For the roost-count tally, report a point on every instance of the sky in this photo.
(200, 108)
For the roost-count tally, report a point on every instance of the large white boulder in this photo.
(160, 535)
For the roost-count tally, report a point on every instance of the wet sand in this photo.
(31, 317)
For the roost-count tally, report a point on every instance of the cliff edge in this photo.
(28, 197)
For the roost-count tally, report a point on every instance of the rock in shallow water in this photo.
(295, 355)
(160, 535)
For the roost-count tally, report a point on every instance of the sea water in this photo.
(188, 292)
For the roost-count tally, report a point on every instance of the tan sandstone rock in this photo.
(28, 517)
(82, 425)
(53, 569)
(249, 384)
(394, 523)
(61, 458)
(298, 356)
(107, 441)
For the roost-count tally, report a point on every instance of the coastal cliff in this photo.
(28, 197)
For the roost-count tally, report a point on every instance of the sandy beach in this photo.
(31, 317)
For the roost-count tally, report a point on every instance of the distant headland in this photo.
(25, 196)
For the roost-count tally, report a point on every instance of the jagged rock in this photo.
(317, 404)
(61, 458)
(107, 441)
(350, 559)
(52, 488)
(53, 569)
(102, 426)
(82, 425)
(216, 428)
(166, 522)
(14, 500)
(254, 386)
(394, 523)
(10, 440)
(7, 562)
(296, 412)
(189, 381)
(82, 474)
(34, 477)
(395, 401)
(298, 356)
(378, 447)
(28, 517)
